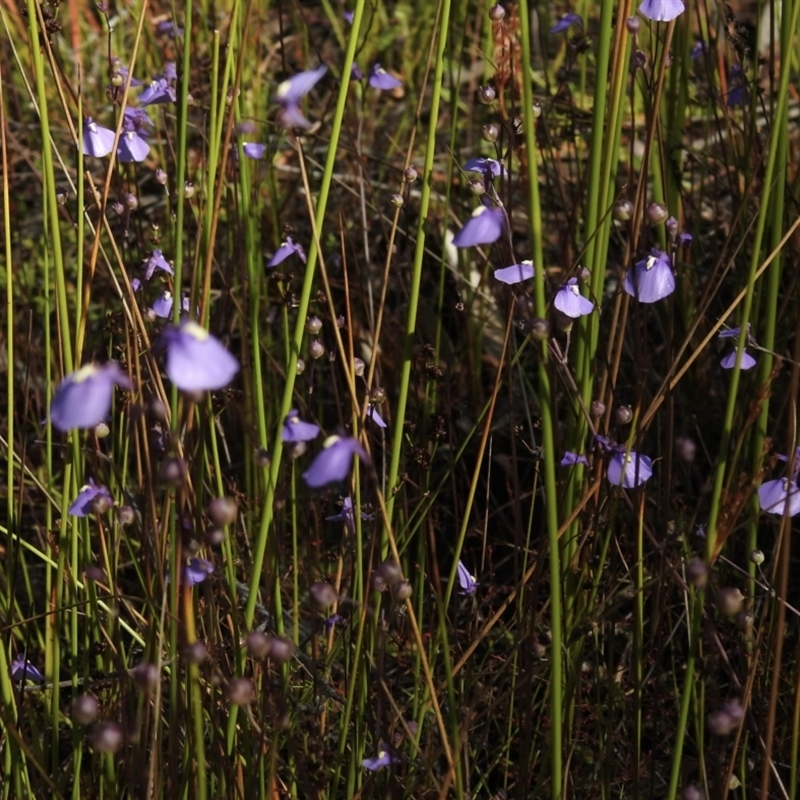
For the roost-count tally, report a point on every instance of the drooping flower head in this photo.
(196, 570)
(516, 273)
(729, 361)
(91, 499)
(372, 414)
(196, 360)
(486, 166)
(379, 78)
(295, 430)
(782, 495)
(626, 468)
(83, 398)
(294, 89)
(565, 22)
(156, 263)
(661, 10)
(97, 141)
(23, 670)
(570, 301)
(162, 307)
(132, 147)
(137, 120)
(651, 279)
(285, 250)
(485, 226)
(466, 580)
(385, 758)
(333, 462)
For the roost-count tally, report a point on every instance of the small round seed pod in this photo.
(729, 601)
(222, 511)
(85, 708)
(656, 213)
(107, 737)
(240, 692)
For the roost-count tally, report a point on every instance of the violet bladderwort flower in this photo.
(23, 670)
(486, 166)
(379, 78)
(569, 300)
(285, 250)
(346, 515)
(333, 462)
(132, 147)
(565, 22)
(385, 758)
(729, 361)
(516, 273)
(97, 141)
(651, 279)
(372, 414)
(292, 91)
(485, 226)
(195, 571)
(662, 10)
(90, 500)
(196, 360)
(782, 496)
(156, 263)
(253, 150)
(295, 430)
(83, 398)
(571, 459)
(626, 468)
(162, 307)
(159, 90)
(466, 580)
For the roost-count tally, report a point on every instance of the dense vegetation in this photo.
(446, 353)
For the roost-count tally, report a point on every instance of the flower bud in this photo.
(263, 459)
(126, 515)
(397, 200)
(584, 274)
(598, 408)
(537, 109)
(687, 449)
(540, 330)
(633, 24)
(487, 95)
(697, 573)
(410, 174)
(62, 196)
(132, 201)
(340, 321)
(215, 537)
(727, 719)
(281, 649)
(301, 366)
(194, 653)
(188, 190)
(358, 367)
(402, 590)
(622, 210)
(490, 133)
(638, 60)
(85, 708)
(672, 227)
(107, 737)
(693, 792)
(757, 557)
(729, 601)
(161, 176)
(476, 186)
(656, 213)
(496, 12)
(118, 208)
(240, 692)
(146, 676)
(222, 511)
(323, 594)
(101, 504)
(390, 571)
(173, 471)
(313, 325)
(624, 415)
(378, 395)
(258, 645)
(316, 349)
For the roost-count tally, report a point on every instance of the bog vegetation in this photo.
(401, 399)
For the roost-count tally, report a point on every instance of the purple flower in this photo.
(628, 469)
(333, 462)
(565, 22)
(383, 759)
(196, 360)
(294, 89)
(137, 120)
(698, 49)
(159, 91)
(290, 116)
(295, 430)
(684, 239)
(335, 619)
(379, 78)
(83, 398)
(285, 250)
(372, 413)
(516, 273)
(738, 93)
(661, 10)
(651, 279)
(485, 226)
(132, 147)
(122, 70)
(136, 284)
(466, 581)
(156, 262)
(84, 503)
(570, 301)
(163, 306)
(780, 496)
(168, 27)
(196, 570)
(355, 73)
(97, 141)
(346, 514)
(571, 459)
(23, 670)
(729, 361)
(253, 150)
(486, 166)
